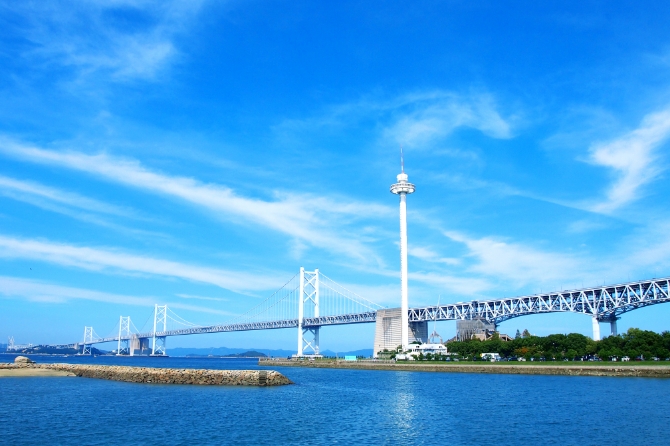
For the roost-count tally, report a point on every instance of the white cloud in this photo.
(425, 287)
(417, 120)
(38, 291)
(521, 265)
(427, 254)
(28, 191)
(633, 158)
(463, 286)
(191, 296)
(317, 221)
(125, 39)
(112, 260)
(73, 205)
(647, 250)
(422, 119)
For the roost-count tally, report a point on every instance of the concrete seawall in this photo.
(162, 376)
(572, 370)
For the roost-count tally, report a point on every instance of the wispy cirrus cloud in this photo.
(634, 159)
(39, 291)
(98, 259)
(450, 284)
(315, 220)
(73, 205)
(125, 39)
(30, 191)
(422, 119)
(429, 255)
(520, 265)
(191, 296)
(417, 120)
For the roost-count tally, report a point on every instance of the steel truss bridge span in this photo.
(603, 304)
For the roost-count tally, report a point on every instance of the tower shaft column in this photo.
(404, 305)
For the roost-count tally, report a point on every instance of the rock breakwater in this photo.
(164, 375)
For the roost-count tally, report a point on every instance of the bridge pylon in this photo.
(124, 330)
(308, 306)
(88, 340)
(596, 328)
(611, 318)
(160, 324)
(613, 329)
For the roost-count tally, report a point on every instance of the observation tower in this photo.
(403, 188)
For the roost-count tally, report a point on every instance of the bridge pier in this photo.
(141, 344)
(613, 328)
(596, 328)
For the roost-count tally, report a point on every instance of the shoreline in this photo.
(32, 372)
(647, 371)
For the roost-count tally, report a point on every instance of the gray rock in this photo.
(23, 360)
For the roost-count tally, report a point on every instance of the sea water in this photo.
(333, 406)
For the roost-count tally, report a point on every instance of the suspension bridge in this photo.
(310, 300)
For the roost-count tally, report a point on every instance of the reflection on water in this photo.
(402, 414)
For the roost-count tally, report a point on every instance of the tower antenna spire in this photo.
(402, 161)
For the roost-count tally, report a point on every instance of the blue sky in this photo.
(198, 153)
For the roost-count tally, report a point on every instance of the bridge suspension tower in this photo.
(124, 336)
(308, 305)
(88, 340)
(160, 322)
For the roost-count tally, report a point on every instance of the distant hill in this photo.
(44, 350)
(225, 351)
(249, 354)
(278, 353)
(366, 352)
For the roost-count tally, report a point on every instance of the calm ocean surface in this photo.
(334, 407)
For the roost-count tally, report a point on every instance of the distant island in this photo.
(58, 351)
(248, 354)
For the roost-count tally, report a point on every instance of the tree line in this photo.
(635, 343)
